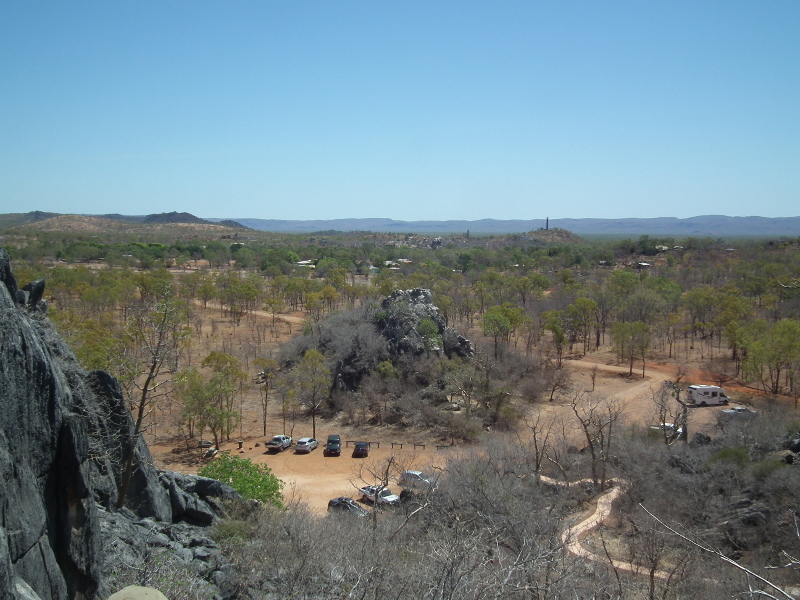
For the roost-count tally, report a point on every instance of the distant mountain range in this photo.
(704, 226)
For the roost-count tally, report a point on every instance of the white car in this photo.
(738, 410)
(375, 495)
(305, 445)
(669, 428)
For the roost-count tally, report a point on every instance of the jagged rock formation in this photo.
(62, 435)
(355, 342)
(399, 323)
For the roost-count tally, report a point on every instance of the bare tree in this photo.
(777, 591)
(268, 370)
(313, 383)
(539, 441)
(598, 419)
(557, 381)
(153, 337)
(671, 412)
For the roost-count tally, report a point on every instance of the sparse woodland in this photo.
(244, 311)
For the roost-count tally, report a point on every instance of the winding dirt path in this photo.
(635, 393)
(573, 535)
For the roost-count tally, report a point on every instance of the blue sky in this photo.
(408, 110)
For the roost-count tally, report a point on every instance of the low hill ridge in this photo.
(700, 226)
(174, 217)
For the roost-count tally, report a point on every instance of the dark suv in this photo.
(361, 450)
(333, 447)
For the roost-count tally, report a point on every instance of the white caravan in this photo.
(706, 395)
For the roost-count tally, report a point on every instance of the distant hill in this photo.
(173, 217)
(704, 226)
(80, 223)
(231, 224)
(14, 219)
(110, 224)
(554, 235)
(126, 218)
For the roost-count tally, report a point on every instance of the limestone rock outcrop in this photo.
(399, 323)
(63, 432)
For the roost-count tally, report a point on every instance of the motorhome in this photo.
(706, 395)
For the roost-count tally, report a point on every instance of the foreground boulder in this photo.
(138, 592)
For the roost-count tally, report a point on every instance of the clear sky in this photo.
(402, 109)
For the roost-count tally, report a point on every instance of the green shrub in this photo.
(230, 529)
(738, 455)
(254, 482)
(764, 468)
(793, 428)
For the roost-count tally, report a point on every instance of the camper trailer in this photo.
(706, 395)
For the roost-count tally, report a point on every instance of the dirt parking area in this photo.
(314, 479)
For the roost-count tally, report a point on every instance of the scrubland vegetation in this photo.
(493, 526)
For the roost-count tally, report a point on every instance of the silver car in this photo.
(305, 445)
(377, 495)
(416, 480)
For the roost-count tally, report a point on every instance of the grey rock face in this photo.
(399, 323)
(35, 291)
(34, 432)
(6, 276)
(193, 498)
(63, 433)
(793, 444)
(156, 548)
(393, 332)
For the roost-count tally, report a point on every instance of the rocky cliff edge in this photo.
(63, 433)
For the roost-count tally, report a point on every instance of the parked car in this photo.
(305, 445)
(738, 410)
(374, 494)
(279, 443)
(665, 427)
(343, 504)
(416, 480)
(669, 429)
(333, 447)
(361, 450)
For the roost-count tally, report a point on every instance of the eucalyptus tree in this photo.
(772, 354)
(631, 341)
(267, 372)
(313, 380)
(153, 337)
